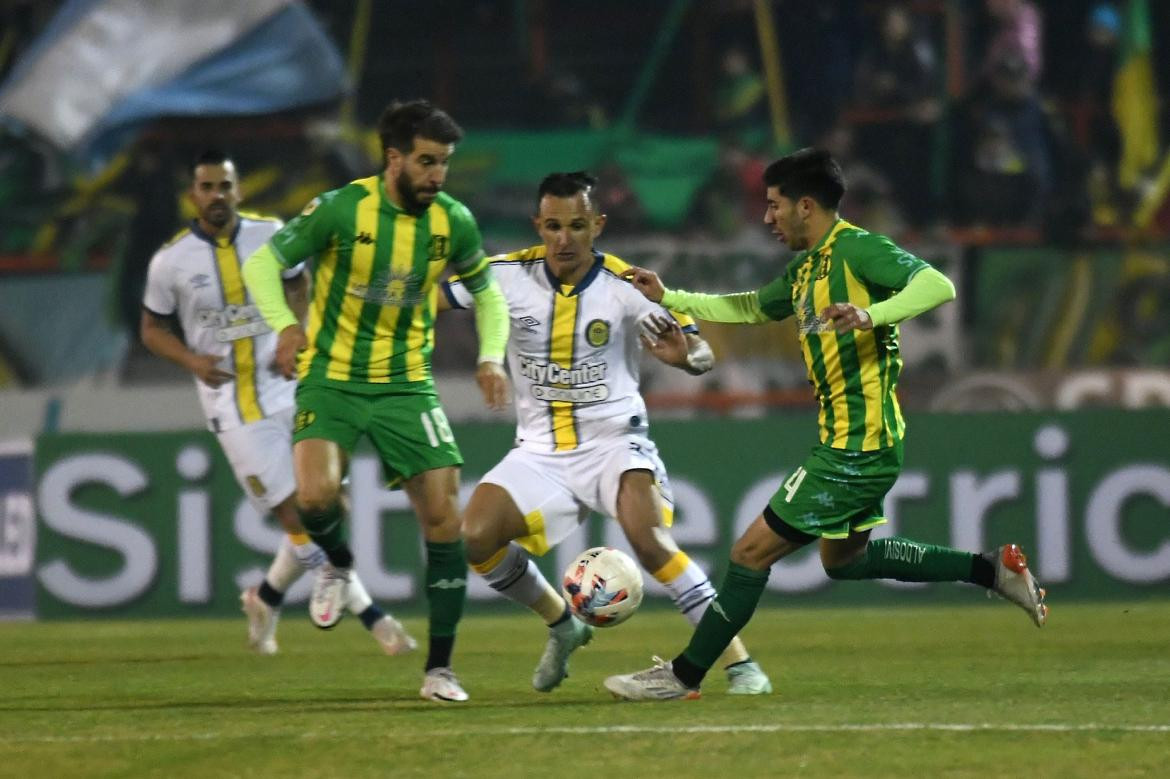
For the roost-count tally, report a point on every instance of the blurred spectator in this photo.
(617, 200)
(1097, 67)
(734, 195)
(741, 107)
(1018, 35)
(818, 46)
(558, 98)
(897, 93)
(1002, 173)
(899, 70)
(869, 194)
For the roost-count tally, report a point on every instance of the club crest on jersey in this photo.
(303, 419)
(824, 265)
(597, 332)
(438, 248)
(256, 486)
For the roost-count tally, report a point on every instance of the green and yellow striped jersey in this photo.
(375, 280)
(854, 374)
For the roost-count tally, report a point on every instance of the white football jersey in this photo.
(197, 278)
(574, 354)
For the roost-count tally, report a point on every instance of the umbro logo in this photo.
(530, 323)
(447, 584)
(363, 237)
(200, 280)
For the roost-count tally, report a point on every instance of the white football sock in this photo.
(689, 587)
(516, 577)
(285, 568)
(358, 599)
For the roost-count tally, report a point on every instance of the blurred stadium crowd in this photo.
(1004, 140)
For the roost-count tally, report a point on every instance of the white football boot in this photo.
(654, 684)
(1014, 582)
(392, 636)
(330, 593)
(748, 678)
(441, 684)
(262, 620)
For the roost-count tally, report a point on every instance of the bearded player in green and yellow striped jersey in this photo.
(380, 246)
(848, 289)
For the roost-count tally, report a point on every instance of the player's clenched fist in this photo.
(846, 316)
(288, 345)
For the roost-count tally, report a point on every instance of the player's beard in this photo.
(410, 195)
(217, 215)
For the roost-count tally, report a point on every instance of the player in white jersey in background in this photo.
(195, 279)
(582, 441)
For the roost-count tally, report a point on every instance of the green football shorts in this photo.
(835, 492)
(409, 432)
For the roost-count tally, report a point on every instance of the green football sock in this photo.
(733, 606)
(907, 561)
(446, 586)
(327, 529)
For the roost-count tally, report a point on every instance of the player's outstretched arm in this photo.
(261, 274)
(926, 290)
(736, 308)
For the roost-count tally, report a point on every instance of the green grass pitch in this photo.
(973, 691)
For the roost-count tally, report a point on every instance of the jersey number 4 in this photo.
(793, 483)
(437, 427)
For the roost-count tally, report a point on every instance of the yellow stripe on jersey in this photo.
(871, 383)
(401, 263)
(243, 349)
(831, 357)
(560, 351)
(420, 336)
(361, 265)
(322, 283)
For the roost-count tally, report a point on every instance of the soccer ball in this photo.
(603, 586)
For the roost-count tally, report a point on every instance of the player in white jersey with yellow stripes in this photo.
(195, 280)
(582, 443)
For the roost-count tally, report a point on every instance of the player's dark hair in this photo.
(565, 185)
(209, 157)
(808, 172)
(401, 122)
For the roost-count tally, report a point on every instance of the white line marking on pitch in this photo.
(959, 727)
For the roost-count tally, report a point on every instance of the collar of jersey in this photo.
(590, 275)
(197, 231)
(826, 243)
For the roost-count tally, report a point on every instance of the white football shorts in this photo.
(556, 491)
(260, 454)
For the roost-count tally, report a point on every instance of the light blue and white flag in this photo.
(102, 67)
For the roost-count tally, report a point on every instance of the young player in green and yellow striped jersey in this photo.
(848, 289)
(380, 246)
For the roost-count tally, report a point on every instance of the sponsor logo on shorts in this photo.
(824, 498)
(597, 332)
(256, 486)
(447, 584)
(303, 419)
